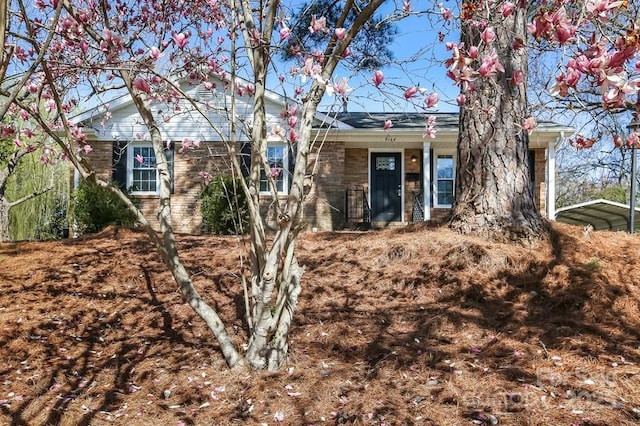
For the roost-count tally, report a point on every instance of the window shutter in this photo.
(119, 164)
(169, 152)
(291, 162)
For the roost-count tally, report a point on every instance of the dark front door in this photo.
(386, 187)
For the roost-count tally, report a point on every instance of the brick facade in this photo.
(337, 169)
(185, 204)
(325, 203)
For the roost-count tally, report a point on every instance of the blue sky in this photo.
(420, 55)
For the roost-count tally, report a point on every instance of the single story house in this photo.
(364, 175)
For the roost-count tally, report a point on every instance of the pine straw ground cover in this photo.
(416, 326)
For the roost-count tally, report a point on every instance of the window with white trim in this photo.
(444, 182)
(142, 171)
(278, 159)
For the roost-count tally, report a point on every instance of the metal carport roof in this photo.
(601, 214)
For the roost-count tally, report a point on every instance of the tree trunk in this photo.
(494, 192)
(4, 219)
(166, 243)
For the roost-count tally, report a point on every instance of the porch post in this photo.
(551, 179)
(426, 179)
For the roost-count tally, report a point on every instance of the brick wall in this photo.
(185, 205)
(325, 203)
(412, 181)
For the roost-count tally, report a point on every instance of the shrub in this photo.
(224, 207)
(95, 208)
(56, 225)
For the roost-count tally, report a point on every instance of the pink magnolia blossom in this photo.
(155, 52)
(633, 140)
(387, 125)
(341, 33)
(285, 33)
(490, 65)
(378, 78)
(181, 39)
(293, 136)
(488, 35)
(430, 128)
(474, 52)
(406, 6)
(340, 87)
(411, 92)
(616, 86)
(206, 176)
(188, 143)
(275, 172)
(446, 13)
(278, 131)
(50, 105)
(517, 77)
(557, 26)
(529, 124)
(318, 25)
(461, 99)
(142, 85)
(311, 68)
(432, 100)
(601, 7)
(139, 159)
(507, 8)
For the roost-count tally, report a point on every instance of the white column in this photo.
(551, 178)
(426, 179)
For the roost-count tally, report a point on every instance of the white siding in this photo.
(126, 124)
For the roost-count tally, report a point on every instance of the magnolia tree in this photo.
(148, 50)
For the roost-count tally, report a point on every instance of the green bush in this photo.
(95, 208)
(224, 207)
(56, 225)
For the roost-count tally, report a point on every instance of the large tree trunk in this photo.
(494, 192)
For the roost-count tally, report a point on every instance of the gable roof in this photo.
(124, 100)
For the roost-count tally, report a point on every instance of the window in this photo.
(144, 174)
(277, 156)
(134, 167)
(444, 180)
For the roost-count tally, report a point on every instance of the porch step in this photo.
(378, 225)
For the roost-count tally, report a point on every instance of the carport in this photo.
(601, 214)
